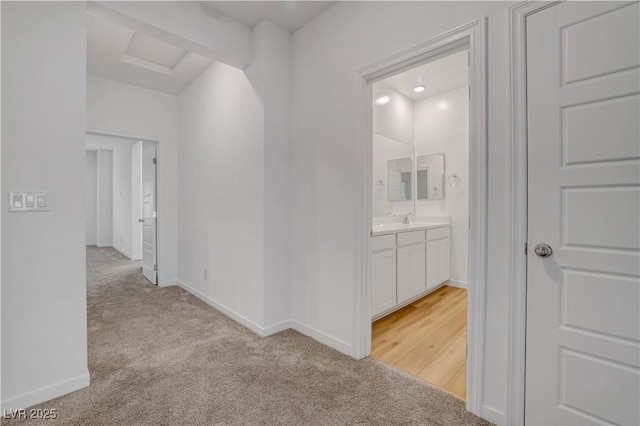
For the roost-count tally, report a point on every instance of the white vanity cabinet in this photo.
(406, 266)
(438, 262)
(411, 265)
(384, 273)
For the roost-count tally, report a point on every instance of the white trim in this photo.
(493, 415)
(362, 292)
(245, 322)
(472, 35)
(160, 194)
(322, 337)
(457, 284)
(277, 328)
(516, 333)
(168, 283)
(122, 252)
(46, 393)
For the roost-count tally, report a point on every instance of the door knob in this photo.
(140, 220)
(543, 250)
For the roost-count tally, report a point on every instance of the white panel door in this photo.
(583, 316)
(149, 256)
(384, 280)
(411, 271)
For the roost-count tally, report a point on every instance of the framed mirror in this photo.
(430, 176)
(399, 176)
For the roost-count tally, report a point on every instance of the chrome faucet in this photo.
(405, 219)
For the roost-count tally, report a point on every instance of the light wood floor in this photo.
(427, 339)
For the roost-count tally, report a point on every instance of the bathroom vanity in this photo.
(409, 260)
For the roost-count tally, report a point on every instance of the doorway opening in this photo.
(121, 182)
(420, 216)
(426, 239)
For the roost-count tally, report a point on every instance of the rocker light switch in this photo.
(22, 201)
(16, 201)
(42, 201)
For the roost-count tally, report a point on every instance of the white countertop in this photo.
(394, 228)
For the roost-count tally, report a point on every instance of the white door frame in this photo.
(515, 395)
(470, 36)
(159, 260)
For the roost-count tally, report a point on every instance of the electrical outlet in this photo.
(206, 275)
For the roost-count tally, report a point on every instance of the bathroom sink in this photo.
(393, 224)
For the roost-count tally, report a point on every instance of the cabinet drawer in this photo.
(437, 233)
(383, 242)
(413, 237)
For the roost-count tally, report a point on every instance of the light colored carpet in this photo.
(160, 356)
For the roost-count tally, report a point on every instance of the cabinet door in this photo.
(443, 260)
(411, 271)
(432, 264)
(384, 281)
(418, 272)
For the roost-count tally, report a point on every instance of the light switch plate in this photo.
(23, 201)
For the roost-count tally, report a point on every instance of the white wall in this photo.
(270, 73)
(122, 198)
(220, 197)
(447, 130)
(392, 139)
(327, 113)
(126, 110)
(91, 198)
(394, 119)
(385, 149)
(234, 186)
(44, 319)
(105, 198)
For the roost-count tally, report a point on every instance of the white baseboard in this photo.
(324, 338)
(122, 252)
(493, 415)
(276, 328)
(318, 335)
(46, 393)
(456, 283)
(169, 283)
(260, 331)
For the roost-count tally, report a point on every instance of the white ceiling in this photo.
(442, 75)
(288, 14)
(122, 54)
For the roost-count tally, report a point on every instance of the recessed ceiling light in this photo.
(443, 105)
(418, 89)
(382, 100)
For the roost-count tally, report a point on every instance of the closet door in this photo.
(583, 261)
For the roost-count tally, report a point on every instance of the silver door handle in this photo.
(140, 220)
(543, 250)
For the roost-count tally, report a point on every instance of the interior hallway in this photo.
(427, 339)
(161, 356)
